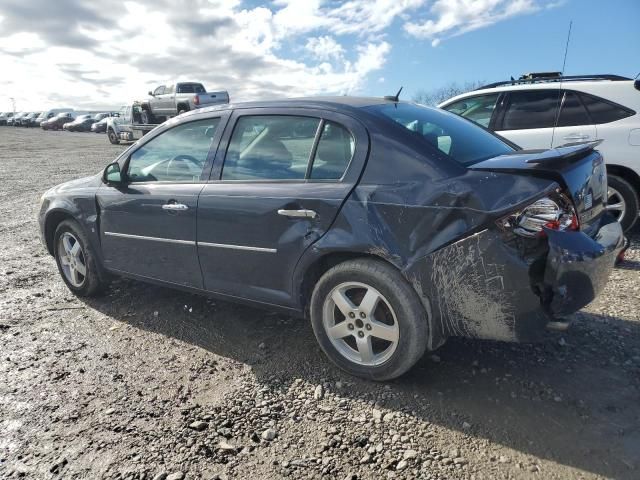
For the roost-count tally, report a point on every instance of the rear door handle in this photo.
(577, 136)
(175, 206)
(298, 213)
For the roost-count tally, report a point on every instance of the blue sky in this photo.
(605, 38)
(92, 56)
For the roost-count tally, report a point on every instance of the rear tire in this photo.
(380, 340)
(623, 201)
(113, 138)
(76, 260)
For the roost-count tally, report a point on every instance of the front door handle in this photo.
(303, 213)
(175, 206)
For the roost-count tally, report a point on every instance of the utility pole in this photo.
(13, 104)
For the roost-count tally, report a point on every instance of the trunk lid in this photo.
(579, 169)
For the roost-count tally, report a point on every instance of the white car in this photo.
(547, 110)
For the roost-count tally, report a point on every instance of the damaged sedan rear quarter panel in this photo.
(435, 220)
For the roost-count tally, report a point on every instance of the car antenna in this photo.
(394, 98)
(564, 63)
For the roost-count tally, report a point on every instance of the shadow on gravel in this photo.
(572, 399)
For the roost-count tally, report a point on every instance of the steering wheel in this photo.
(183, 158)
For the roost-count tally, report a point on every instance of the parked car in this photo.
(81, 124)
(129, 124)
(56, 122)
(170, 100)
(44, 116)
(392, 226)
(29, 120)
(538, 111)
(11, 121)
(100, 126)
(4, 117)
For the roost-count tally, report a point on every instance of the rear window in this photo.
(604, 111)
(190, 88)
(453, 136)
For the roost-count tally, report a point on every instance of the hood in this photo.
(91, 182)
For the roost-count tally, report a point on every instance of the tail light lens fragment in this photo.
(555, 212)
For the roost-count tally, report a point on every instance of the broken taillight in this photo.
(555, 212)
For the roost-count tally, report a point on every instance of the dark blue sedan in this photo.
(391, 226)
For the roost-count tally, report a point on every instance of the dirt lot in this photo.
(149, 383)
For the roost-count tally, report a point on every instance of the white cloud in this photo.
(324, 48)
(81, 54)
(450, 18)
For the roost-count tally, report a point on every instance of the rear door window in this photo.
(529, 109)
(604, 111)
(334, 152)
(270, 147)
(477, 109)
(572, 112)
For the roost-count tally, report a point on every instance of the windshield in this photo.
(453, 136)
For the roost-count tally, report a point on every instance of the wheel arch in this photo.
(626, 173)
(183, 106)
(51, 222)
(325, 261)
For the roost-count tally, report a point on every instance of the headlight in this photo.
(555, 212)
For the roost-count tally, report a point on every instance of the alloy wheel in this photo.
(72, 259)
(360, 323)
(616, 204)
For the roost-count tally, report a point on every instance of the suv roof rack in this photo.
(553, 77)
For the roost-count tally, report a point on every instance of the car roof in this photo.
(595, 86)
(337, 102)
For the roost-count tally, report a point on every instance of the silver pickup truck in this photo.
(170, 100)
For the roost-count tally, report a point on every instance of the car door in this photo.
(479, 109)
(279, 180)
(527, 117)
(156, 101)
(574, 124)
(148, 224)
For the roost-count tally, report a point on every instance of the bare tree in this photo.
(439, 95)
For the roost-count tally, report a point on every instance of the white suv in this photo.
(548, 110)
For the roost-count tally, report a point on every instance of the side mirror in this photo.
(111, 174)
(150, 93)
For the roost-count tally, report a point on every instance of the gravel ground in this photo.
(150, 383)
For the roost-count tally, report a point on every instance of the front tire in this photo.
(113, 138)
(368, 319)
(76, 260)
(622, 201)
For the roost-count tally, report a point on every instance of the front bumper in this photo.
(484, 287)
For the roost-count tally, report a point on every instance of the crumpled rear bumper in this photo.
(484, 287)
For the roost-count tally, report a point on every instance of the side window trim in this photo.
(314, 149)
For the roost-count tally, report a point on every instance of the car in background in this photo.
(293, 205)
(56, 122)
(547, 110)
(44, 116)
(4, 117)
(100, 126)
(169, 100)
(11, 121)
(29, 120)
(81, 124)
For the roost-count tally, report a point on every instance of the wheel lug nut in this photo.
(368, 326)
(352, 315)
(350, 326)
(361, 334)
(363, 315)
